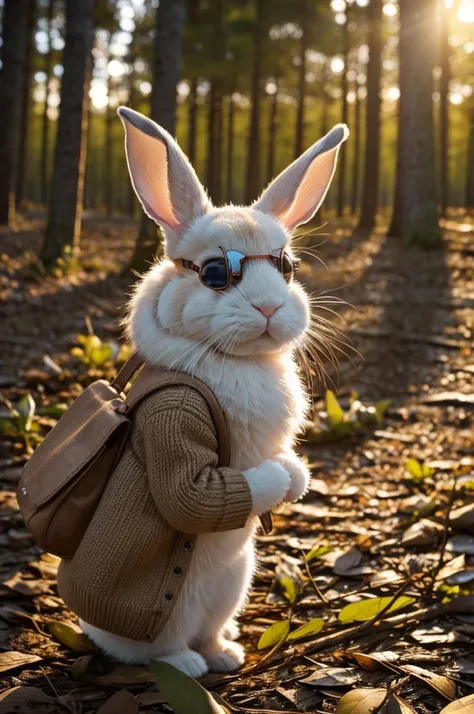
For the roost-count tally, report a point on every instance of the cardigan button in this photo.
(187, 545)
(168, 595)
(177, 571)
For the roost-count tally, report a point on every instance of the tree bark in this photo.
(166, 73)
(192, 122)
(252, 184)
(108, 153)
(356, 162)
(299, 136)
(470, 164)
(372, 144)
(48, 66)
(325, 73)
(63, 229)
(444, 107)
(25, 108)
(230, 148)
(214, 142)
(15, 36)
(131, 199)
(419, 216)
(272, 129)
(395, 229)
(341, 186)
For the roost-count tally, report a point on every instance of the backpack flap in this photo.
(74, 461)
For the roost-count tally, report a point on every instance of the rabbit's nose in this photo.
(267, 310)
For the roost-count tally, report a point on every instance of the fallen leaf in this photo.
(331, 677)
(424, 532)
(435, 635)
(311, 628)
(347, 561)
(12, 660)
(443, 685)
(375, 661)
(452, 567)
(417, 471)
(385, 577)
(150, 698)
(395, 705)
(304, 698)
(317, 485)
(465, 705)
(364, 610)
(18, 699)
(70, 636)
(463, 518)
(461, 544)
(290, 588)
(183, 693)
(25, 587)
(464, 576)
(80, 666)
(274, 634)
(333, 409)
(361, 701)
(120, 703)
(124, 676)
(317, 552)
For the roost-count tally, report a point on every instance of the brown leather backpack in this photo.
(62, 483)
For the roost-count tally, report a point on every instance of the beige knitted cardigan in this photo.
(128, 572)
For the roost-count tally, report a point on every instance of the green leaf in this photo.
(100, 355)
(364, 610)
(183, 693)
(26, 411)
(276, 633)
(418, 471)
(381, 409)
(334, 410)
(54, 410)
(317, 552)
(311, 628)
(290, 588)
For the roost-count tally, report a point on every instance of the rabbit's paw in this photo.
(231, 630)
(224, 656)
(268, 483)
(299, 474)
(187, 661)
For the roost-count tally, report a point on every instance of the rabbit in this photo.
(240, 340)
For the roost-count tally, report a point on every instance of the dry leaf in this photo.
(361, 701)
(80, 666)
(12, 660)
(375, 661)
(385, 577)
(461, 544)
(347, 561)
(19, 699)
(29, 588)
(425, 532)
(331, 677)
(463, 518)
(120, 703)
(443, 685)
(70, 636)
(150, 698)
(395, 705)
(460, 706)
(452, 567)
(125, 675)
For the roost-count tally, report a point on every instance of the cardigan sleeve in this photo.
(190, 491)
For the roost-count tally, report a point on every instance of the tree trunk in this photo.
(15, 37)
(63, 229)
(252, 184)
(325, 74)
(166, 72)
(419, 216)
(108, 153)
(341, 187)
(372, 142)
(214, 143)
(444, 107)
(299, 136)
(230, 148)
(470, 164)
(131, 198)
(48, 66)
(192, 125)
(25, 109)
(356, 162)
(272, 129)
(395, 229)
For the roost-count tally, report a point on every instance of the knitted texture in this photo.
(128, 572)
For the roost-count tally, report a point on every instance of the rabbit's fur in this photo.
(223, 339)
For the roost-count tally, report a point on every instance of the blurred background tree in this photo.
(246, 85)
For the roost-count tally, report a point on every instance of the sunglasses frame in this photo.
(235, 276)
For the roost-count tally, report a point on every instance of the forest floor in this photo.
(371, 527)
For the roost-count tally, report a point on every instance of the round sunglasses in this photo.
(218, 273)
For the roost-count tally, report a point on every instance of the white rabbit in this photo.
(240, 341)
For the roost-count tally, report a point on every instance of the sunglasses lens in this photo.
(214, 273)
(287, 266)
(235, 258)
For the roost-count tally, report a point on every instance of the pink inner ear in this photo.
(311, 191)
(148, 164)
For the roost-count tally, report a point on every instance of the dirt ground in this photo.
(374, 529)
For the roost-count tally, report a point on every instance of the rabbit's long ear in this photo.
(296, 194)
(163, 179)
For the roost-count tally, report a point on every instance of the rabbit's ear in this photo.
(296, 194)
(163, 179)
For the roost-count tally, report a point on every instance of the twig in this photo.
(391, 689)
(313, 583)
(279, 644)
(368, 624)
(445, 536)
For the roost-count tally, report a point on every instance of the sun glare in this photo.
(465, 12)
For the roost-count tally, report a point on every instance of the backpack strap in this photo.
(126, 372)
